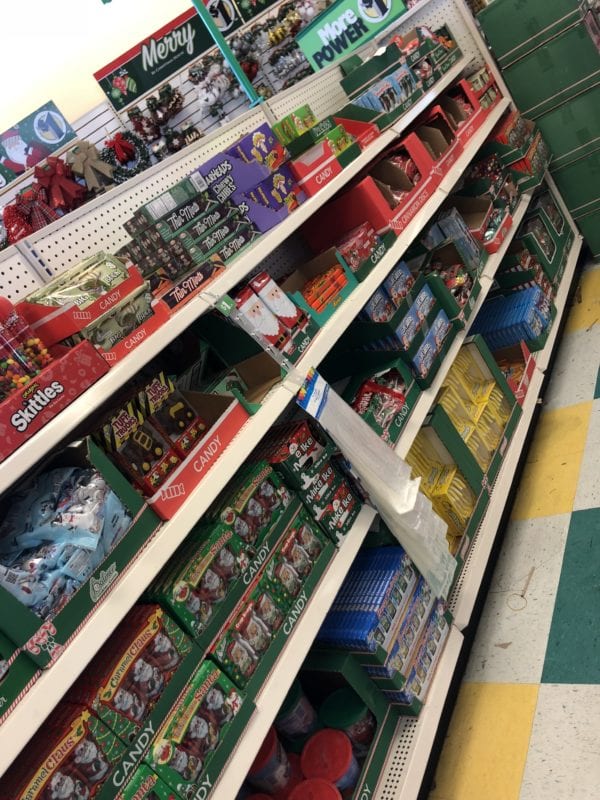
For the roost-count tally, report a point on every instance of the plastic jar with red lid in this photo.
(328, 755)
(271, 771)
(315, 789)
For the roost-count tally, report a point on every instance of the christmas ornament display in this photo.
(216, 84)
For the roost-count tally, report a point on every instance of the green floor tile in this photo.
(573, 652)
(597, 389)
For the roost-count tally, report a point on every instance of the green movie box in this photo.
(44, 640)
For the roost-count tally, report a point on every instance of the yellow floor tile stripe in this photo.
(549, 481)
(587, 312)
(487, 742)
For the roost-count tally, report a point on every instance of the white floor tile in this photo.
(588, 485)
(510, 644)
(563, 762)
(575, 370)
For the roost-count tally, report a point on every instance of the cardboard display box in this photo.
(517, 354)
(17, 674)
(25, 412)
(319, 165)
(44, 641)
(225, 416)
(294, 284)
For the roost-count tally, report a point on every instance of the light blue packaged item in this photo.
(398, 283)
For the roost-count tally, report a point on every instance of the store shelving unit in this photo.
(21, 723)
(58, 247)
(411, 747)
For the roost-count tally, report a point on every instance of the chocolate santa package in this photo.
(196, 739)
(203, 581)
(258, 628)
(252, 503)
(145, 784)
(132, 682)
(72, 757)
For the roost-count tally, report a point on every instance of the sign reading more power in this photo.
(345, 26)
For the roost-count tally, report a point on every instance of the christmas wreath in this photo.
(127, 154)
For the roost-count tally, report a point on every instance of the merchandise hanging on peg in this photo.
(175, 139)
(15, 224)
(56, 177)
(127, 154)
(33, 205)
(146, 128)
(159, 149)
(190, 133)
(85, 161)
(171, 100)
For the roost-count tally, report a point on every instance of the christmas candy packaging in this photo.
(196, 738)
(73, 756)
(136, 675)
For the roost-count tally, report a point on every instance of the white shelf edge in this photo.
(427, 397)
(403, 772)
(25, 719)
(275, 688)
(463, 601)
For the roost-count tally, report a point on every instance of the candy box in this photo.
(227, 175)
(17, 674)
(463, 247)
(379, 307)
(309, 274)
(318, 488)
(165, 230)
(200, 732)
(25, 411)
(252, 503)
(138, 448)
(76, 755)
(255, 633)
(43, 638)
(295, 124)
(398, 282)
(362, 248)
(170, 414)
(224, 417)
(517, 365)
(297, 451)
(188, 190)
(204, 580)
(162, 211)
(424, 664)
(310, 137)
(337, 514)
(134, 679)
(261, 146)
(145, 785)
(278, 190)
(175, 294)
(320, 164)
(292, 560)
(63, 308)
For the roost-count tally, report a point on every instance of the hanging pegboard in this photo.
(17, 277)
(323, 94)
(98, 225)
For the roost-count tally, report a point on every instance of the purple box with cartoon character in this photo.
(260, 146)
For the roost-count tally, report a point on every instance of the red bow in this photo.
(16, 224)
(33, 204)
(124, 150)
(56, 178)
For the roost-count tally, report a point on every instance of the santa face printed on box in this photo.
(163, 652)
(260, 319)
(129, 704)
(277, 301)
(226, 564)
(212, 586)
(67, 787)
(148, 680)
(89, 760)
(309, 541)
(268, 494)
(216, 704)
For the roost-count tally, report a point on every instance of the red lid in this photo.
(327, 754)
(315, 789)
(266, 752)
(296, 777)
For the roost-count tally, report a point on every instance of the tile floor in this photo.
(527, 721)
